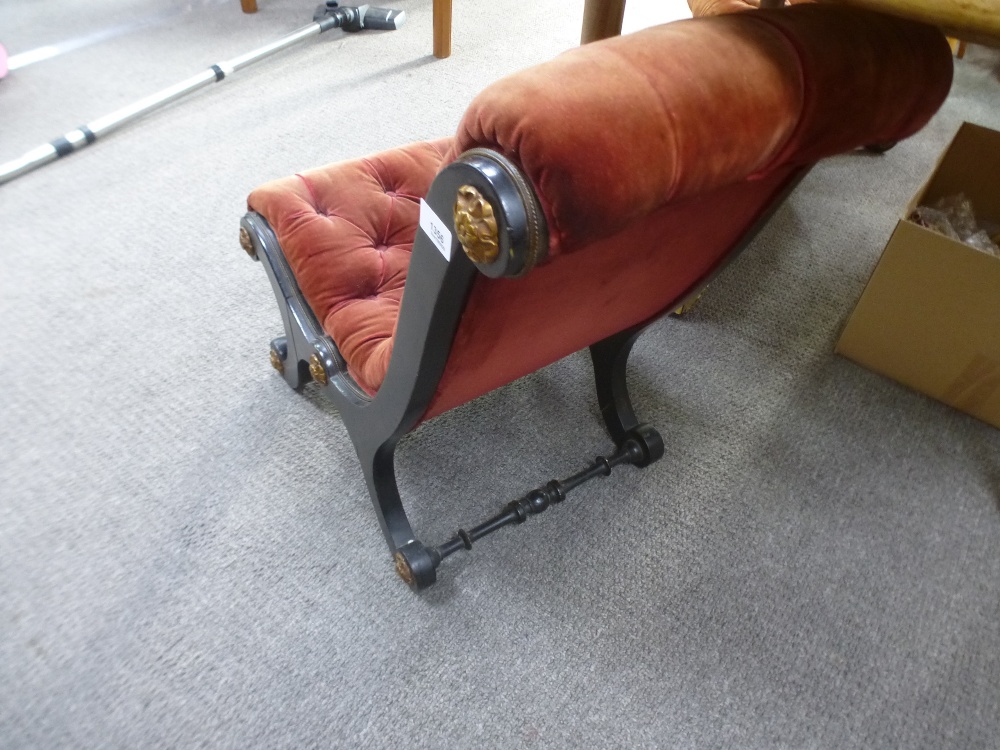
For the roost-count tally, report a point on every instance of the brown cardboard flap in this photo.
(930, 319)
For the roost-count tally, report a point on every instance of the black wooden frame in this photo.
(434, 296)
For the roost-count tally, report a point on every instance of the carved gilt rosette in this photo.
(476, 225)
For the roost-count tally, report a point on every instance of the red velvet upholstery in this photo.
(651, 156)
(347, 231)
(619, 281)
(864, 43)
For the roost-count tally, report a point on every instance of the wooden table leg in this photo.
(601, 19)
(442, 28)
(249, 6)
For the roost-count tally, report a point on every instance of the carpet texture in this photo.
(188, 556)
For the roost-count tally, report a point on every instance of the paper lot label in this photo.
(436, 229)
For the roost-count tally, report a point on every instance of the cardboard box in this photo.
(929, 316)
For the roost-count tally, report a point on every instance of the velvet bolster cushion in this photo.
(632, 123)
(892, 77)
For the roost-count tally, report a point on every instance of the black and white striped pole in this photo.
(327, 17)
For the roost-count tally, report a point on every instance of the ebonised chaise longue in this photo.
(578, 202)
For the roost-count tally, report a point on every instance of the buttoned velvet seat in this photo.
(577, 202)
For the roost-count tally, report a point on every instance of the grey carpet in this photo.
(188, 557)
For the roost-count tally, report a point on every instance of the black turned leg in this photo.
(414, 562)
(378, 466)
(610, 358)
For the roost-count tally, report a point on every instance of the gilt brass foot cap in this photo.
(276, 362)
(403, 569)
(246, 243)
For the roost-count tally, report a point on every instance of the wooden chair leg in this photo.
(249, 6)
(601, 19)
(442, 28)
